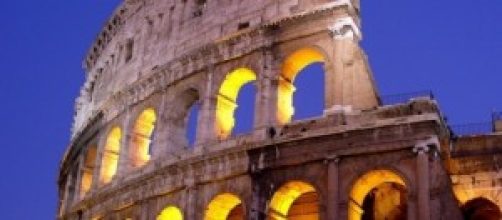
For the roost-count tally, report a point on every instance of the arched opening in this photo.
(141, 140)
(170, 213)
(307, 60)
(294, 200)
(88, 170)
(183, 118)
(309, 101)
(225, 207)
(379, 194)
(481, 208)
(227, 100)
(109, 163)
(193, 118)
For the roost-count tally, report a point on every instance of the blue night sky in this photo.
(453, 47)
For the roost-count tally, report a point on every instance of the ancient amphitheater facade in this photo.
(129, 157)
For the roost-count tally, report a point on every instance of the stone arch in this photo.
(110, 156)
(378, 179)
(291, 67)
(225, 206)
(467, 192)
(481, 208)
(170, 213)
(226, 102)
(177, 116)
(294, 200)
(141, 137)
(88, 170)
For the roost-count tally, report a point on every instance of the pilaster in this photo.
(423, 185)
(349, 84)
(333, 187)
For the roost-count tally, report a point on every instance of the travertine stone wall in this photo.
(169, 55)
(166, 42)
(475, 168)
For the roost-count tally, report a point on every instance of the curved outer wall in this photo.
(168, 55)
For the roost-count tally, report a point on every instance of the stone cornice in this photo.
(118, 19)
(109, 30)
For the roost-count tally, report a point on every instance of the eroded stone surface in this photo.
(166, 56)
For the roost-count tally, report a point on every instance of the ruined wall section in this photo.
(145, 34)
(475, 168)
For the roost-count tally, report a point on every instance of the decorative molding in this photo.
(427, 145)
(345, 29)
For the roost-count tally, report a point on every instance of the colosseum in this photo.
(130, 157)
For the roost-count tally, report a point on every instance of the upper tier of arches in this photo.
(146, 44)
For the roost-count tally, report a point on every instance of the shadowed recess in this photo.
(193, 117)
(365, 185)
(481, 208)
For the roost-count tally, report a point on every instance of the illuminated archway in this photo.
(365, 185)
(227, 100)
(88, 170)
(481, 208)
(293, 64)
(225, 207)
(111, 153)
(467, 192)
(142, 137)
(294, 200)
(170, 213)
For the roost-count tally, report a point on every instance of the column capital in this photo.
(332, 158)
(426, 145)
(345, 29)
(420, 149)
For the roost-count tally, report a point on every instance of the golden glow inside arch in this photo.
(363, 187)
(284, 198)
(142, 137)
(170, 213)
(466, 193)
(221, 206)
(227, 99)
(111, 153)
(88, 170)
(294, 64)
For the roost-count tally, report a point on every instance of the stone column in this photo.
(333, 188)
(158, 140)
(349, 82)
(257, 204)
(268, 92)
(207, 113)
(96, 182)
(80, 173)
(124, 165)
(65, 203)
(339, 83)
(422, 171)
(191, 208)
